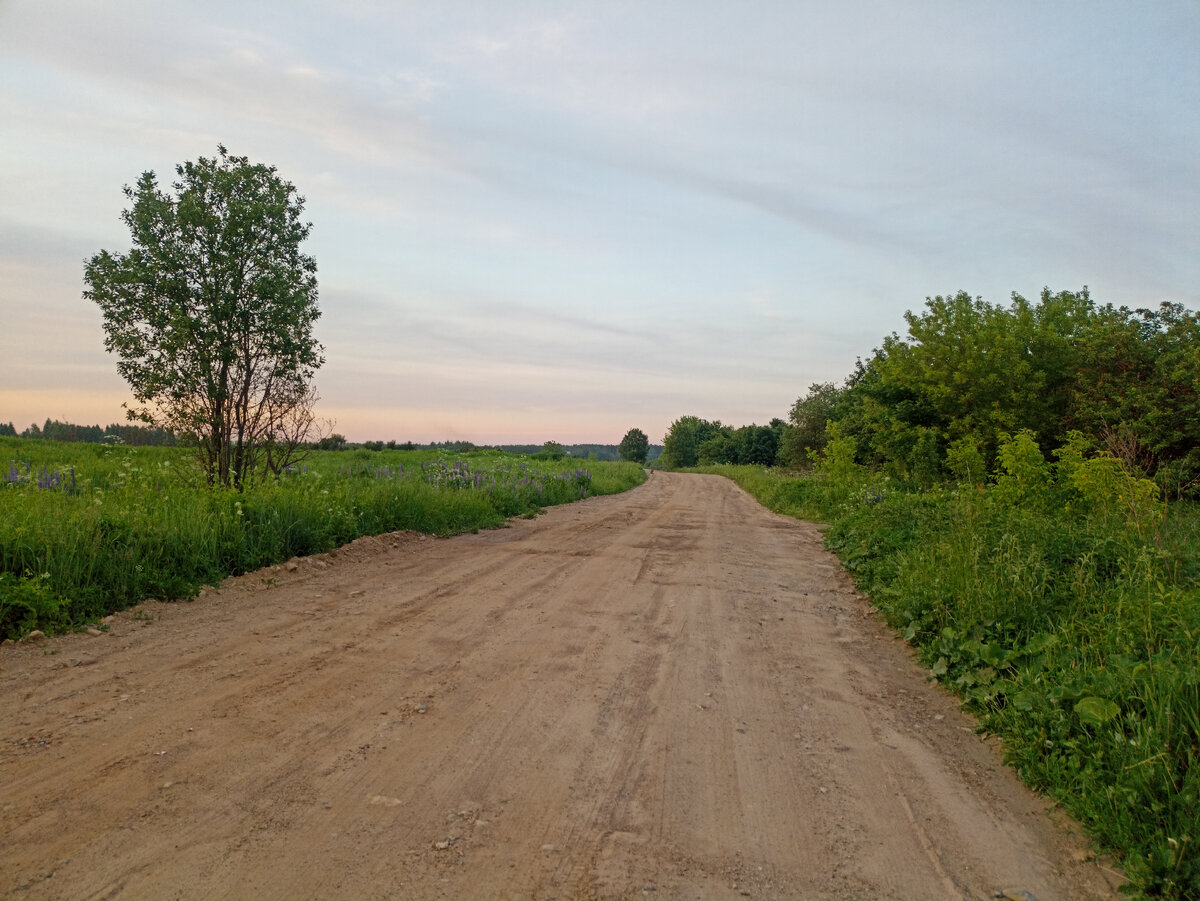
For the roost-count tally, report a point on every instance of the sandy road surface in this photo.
(670, 693)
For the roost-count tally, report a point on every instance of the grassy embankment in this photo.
(89, 529)
(1065, 612)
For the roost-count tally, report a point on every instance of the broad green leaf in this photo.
(1096, 711)
(1025, 700)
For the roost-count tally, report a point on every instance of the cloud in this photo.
(658, 208)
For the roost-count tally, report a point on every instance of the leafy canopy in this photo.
(942, 400)
(635, 446)
(211, 313)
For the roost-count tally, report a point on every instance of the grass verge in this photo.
(1072, 633)
(86, 530)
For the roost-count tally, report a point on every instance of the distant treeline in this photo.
(550, 448)
(53, 430)
(585, 451)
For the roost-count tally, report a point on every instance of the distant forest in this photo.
(585, 451)
(53, 430)
(582, 451)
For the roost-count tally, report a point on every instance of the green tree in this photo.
(551, 450)
(1172, 410)
(967, 373)
(211, 314)
(757, 445)
(808, 417)
(334, 442)
(681, 444)
(721, 446)
(837, 459)
(635, 446)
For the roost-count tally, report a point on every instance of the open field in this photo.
(88, 529)
(669, 692)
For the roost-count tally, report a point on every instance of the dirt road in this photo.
(670, 693)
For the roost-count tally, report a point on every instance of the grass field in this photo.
(88, 529)
(1069, 630)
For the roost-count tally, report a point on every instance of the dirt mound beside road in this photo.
(669, 693)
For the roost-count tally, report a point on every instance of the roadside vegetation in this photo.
(1067, 621)
(1016, 490)
(90, 529)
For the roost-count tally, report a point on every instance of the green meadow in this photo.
(88, 529)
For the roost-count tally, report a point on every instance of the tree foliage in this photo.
(211, 314)
(332, 442)
(693, 441)
(551, 450)
(750, 445)
(943, 399)
(807, 419)
(681, 444)
(635, 446)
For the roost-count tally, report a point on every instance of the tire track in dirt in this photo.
(670, 692)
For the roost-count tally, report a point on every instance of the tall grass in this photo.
(1072, 633)
(86, 530)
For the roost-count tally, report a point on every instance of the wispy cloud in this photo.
(613, 208)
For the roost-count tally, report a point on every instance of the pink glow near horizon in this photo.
(23, 408)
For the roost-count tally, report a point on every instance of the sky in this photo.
(562, 220)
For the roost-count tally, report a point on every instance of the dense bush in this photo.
(968, 373)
